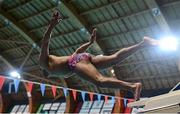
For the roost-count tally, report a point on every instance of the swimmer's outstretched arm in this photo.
(44, 54)
(84, 47)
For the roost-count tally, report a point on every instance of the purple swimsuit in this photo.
(75, 58)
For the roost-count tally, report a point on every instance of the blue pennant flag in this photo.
(16, 84)
(83, 95)
(65, 92)
(112, 100)
(42, 89)
(99, 97)
(125, 102)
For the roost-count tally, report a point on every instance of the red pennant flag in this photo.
(30, 86)
(2, 79)
(54, 90)
(106, 99)
(74, 94)
(91, 96)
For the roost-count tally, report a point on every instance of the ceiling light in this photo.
(169, 44)
(15, 74)
(112, 71)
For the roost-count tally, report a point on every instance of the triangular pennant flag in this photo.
(112, 100)
(74, 94)
(106, 98)
(83, 95)
(16, 84)
(99, 97)
(30, 86)
(91, 96)
(65, 92)
(2, 79)
(42, 89)
(125, 102)
(54, 90)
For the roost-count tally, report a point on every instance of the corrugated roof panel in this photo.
(123, 39)
(122, 25)
(115, 27)
(150, 19)
(125, 7)
(169, 12)
(176, 9)
(131, 40)
(133, 22)
(128, 23)
(140, 4)
(133, 5)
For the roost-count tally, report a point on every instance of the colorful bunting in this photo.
(2, 79)
(74, 94)
(106, 98)
(54, 90)
(29, 86)
(65, 92)
(91, 96)
(83, 95)
(42, 89)
(16, 85)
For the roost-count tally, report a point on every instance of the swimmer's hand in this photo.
(56, 18)
(93, 36)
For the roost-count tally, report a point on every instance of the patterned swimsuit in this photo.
(75, 58)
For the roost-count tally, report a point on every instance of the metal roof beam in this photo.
(120, 18)
(21, 5)
(16, 42)
(26, 58)
(146, 61)
(126, 32)
(36, 14)
(102, 6)
(64, 34)
(170, 75)
(13, 49)
(45, 25)
(21, 29)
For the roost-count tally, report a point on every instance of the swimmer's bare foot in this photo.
(147, 41)
(137, 91)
